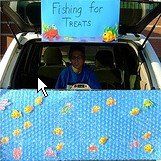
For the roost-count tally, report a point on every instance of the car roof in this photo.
(27, 14)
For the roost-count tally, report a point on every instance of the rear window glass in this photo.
(136, 10)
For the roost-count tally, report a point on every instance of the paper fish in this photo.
(93, 148)
(103, 140)
(134, 111)
(95, 109)
(38, 100)
(60, 146)
(135, 144)
(28, 109)
(66, 108)
(147, 135)
(3, 104)
(17, 153)
(110, 101)
(49, 152)
(147, 103)
(16, 114)
(148, 148)
(5, 140)
(16, 132)
(58, 131)
(27, 124)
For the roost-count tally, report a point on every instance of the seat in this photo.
(107, 73)
(53, 66)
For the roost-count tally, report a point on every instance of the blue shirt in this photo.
(69, 77)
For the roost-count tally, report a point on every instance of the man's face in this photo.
(77, 60)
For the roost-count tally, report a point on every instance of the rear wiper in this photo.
(142, 46)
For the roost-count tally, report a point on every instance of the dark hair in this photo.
(76, 48)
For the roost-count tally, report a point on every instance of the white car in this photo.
(130, 62)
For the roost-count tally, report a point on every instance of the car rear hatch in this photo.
(135, 15)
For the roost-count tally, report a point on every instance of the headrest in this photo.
(105, 58)
(53, 56)
(33, 11)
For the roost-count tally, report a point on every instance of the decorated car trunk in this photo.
(78, 125)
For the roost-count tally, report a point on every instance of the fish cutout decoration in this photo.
(17, 153)
(3, 104)
(66, 109)
(49, 152)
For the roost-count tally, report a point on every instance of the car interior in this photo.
(116, 65)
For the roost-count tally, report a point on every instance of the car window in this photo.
(136, 10)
